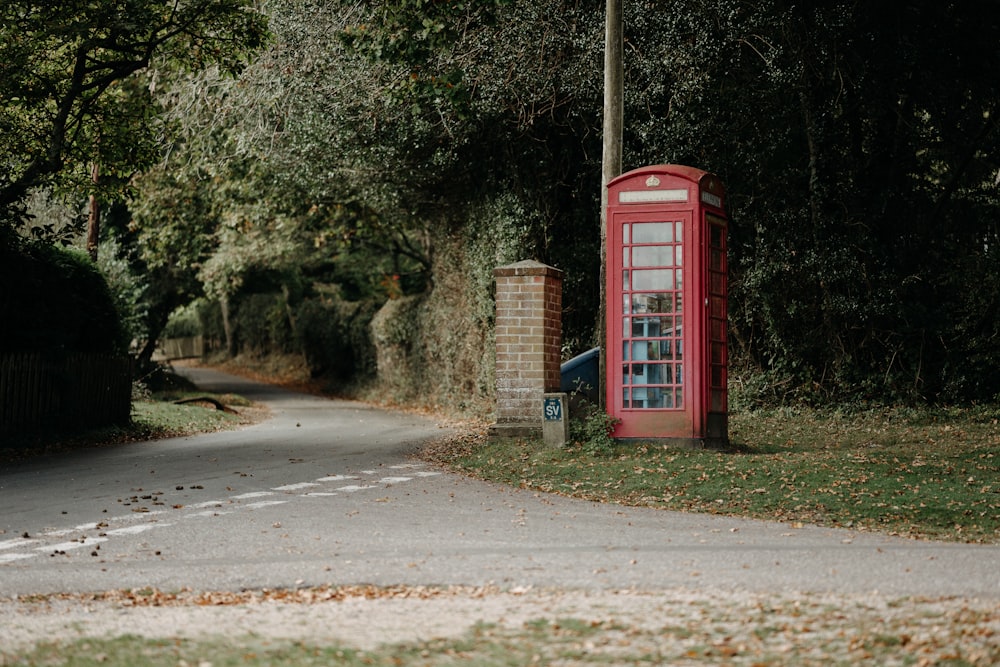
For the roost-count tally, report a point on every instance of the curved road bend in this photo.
(328, 492)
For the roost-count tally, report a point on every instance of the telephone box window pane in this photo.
(655, 279)
(653, 232)
(679, 234)
(718, 283)
(625, 261)
(625, 234)
(625, 356)
(680, 399)
(718, 353)
(651, 303)
(680, 278)
(625, 397)
(718, 235)
(652, 327)
(625, 283)
(679, 251)
(718, 402)
(679, 375)
(656, 399)
(718, 330)
(678, 309)
(653, 255)
(716, 260)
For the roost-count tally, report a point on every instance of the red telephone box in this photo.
(666, 306)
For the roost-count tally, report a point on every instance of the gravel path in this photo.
(683, 625)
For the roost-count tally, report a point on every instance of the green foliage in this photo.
(594, 431)
(333, 334)
(55, 300)
(70, 95)
(128, 289)
(184, 322)
(366, 142)
(261, 324)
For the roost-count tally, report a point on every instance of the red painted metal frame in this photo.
(696, 199)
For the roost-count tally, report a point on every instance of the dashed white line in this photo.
(208, 503)
(295, 487)
(210, 507)
(135, 530)
(68, 546)
(16, 542)
(253, 494)
(394, 480)
(8, 558)
(265, 503)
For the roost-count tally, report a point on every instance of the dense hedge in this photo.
(55, 299)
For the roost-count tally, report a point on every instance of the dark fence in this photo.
(63, 392)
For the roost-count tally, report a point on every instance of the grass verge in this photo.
(154, 416)
(918, 473)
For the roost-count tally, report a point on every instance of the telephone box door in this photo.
(666, 306)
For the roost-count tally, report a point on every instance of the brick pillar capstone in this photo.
(528, 339)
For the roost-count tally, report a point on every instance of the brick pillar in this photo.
(529, 338)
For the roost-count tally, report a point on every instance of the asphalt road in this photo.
(329, 492)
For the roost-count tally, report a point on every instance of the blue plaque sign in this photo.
(553, 410)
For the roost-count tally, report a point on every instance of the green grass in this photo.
(160, 416)
(921, 473)
(154, 416)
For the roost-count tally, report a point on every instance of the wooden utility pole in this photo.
(611, 154)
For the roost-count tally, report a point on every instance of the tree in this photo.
(70, 98)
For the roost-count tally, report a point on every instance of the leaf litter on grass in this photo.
(677, 627)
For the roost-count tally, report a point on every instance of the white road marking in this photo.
(68, 546)
(208, 503)
(211, 508)
(254, 494)
(265, 503)
(135, 530)
(394, 480)
(16, 542)
(295, 487)
(7, 558)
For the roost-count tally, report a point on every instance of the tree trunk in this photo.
(94, 222)
(227, 327)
